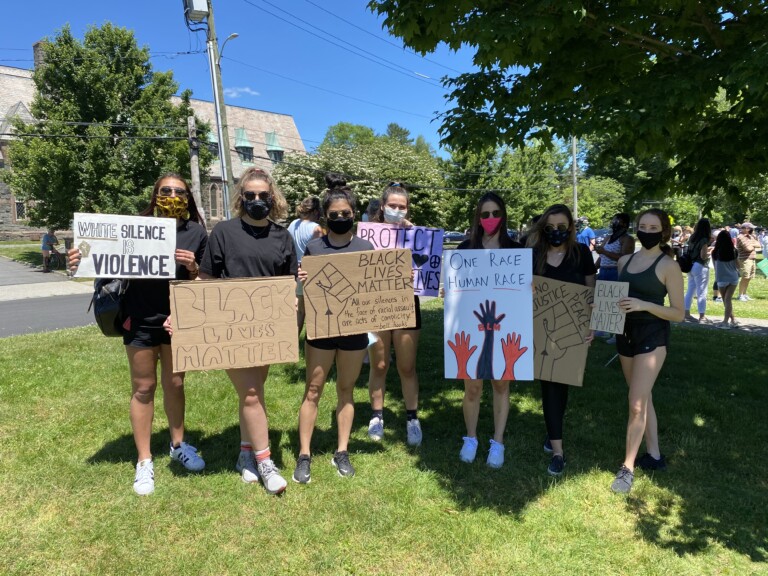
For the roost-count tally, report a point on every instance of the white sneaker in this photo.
(495, 455)
(413, 431)
(270, 476)
(376, 429)
(188, 456)
(246, 465)
(469, 450)
(144, 483)
(743, 298)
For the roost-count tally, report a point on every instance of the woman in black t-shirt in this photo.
(251, 245)
(557, 255)
(347, 351)
(146, 306)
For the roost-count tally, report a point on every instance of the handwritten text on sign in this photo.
(606, 314)
(125, 246)
(358, 292)
(425, 244)
(488, 314)
(233, 323)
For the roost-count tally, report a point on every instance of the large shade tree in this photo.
(648, 73)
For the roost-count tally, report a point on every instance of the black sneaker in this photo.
(556, 465)
(301, 473)
(342, 463)
(648, 462)
(548, 446)
(622, 484)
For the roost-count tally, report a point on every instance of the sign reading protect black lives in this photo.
(114, 246)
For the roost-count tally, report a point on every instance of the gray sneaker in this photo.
(413, 432)
(270, 476)
(622, 484)
(341, 461)
(301, 473)
(246, 465)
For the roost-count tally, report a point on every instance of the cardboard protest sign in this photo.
(606, 314)
(425, 244)
(561, 314)
(488, 314)
(115, 246)
(233, 323)
(358, 292)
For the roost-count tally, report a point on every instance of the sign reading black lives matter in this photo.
(358, 292)
(115, 246)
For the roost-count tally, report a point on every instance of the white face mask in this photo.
(394, 216)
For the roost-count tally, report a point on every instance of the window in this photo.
(275, 155)
(214, 202)
(21, 210)
(243, 146)
(274, 150)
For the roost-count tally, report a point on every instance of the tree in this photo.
(647, 72)
(347, 134)
(398, 133)
(105, 129)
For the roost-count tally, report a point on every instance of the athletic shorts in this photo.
(146, 337)
(346, 343)
(642, 336)
(746, 268)
(417, 304)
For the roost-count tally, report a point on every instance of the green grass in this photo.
(27, 255)
(67, 457)
(757, 308)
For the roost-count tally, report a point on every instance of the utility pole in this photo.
(225, 159)
(194, 164)
(573, 171)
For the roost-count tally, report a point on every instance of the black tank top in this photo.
(645, 286)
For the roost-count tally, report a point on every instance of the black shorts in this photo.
(417, 304)
(642, 336)
(347, 343)
(146, 337)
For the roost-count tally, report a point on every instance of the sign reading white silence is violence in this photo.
(125, 246)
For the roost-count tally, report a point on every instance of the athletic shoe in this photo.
(556, 466)
(747, 298)
(548, 446)
(246, 465)
(648, 462)
(413, 431)
(144, 483)
(301, 473)
(743, 298)
(376, 429)
(611, 340)
(622, 484)
(689, 318)
(724, 325)
(270, 476)
(495, 455)
(718, 299)
(469, 450)
(341, 461)
(188, 456)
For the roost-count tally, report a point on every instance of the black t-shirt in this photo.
(147, 301)
(238, 250)
(570, 270)
(322, 247)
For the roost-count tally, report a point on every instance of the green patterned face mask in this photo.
(172, 207)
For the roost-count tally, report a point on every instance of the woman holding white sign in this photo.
(251, 245)
(488, 231)
(652, 275)
(347, 351)
(146, 306)
(557, 255)
(394, 209)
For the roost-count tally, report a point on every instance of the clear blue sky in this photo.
(274, 44)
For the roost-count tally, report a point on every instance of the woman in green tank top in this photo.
(652, 274)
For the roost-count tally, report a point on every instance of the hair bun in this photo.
(334, 180)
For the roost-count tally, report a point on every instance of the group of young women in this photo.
(252, 244)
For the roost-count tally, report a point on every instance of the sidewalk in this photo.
(745, 325)
(19, 281)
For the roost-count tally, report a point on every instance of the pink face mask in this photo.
(490, 225)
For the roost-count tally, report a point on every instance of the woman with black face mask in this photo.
(619, 244)
(252, 245)
(557, 255)
(347, 352)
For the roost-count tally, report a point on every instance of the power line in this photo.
(169, 55)
(94, 137)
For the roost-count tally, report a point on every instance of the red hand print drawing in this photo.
(463, 352)
(510, 348)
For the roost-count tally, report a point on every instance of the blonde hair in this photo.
(279, 204)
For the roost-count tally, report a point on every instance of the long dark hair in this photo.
(538, 241)
(194, 213)
(724, 250)
(666, 228)
(476, 231)
(703, 230)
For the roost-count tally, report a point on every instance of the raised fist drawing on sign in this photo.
(337, 290)
(561, 333)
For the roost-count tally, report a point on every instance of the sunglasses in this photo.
(250, 196)
(559, 228)
(168, 190)
(489, 214)
(339, 214)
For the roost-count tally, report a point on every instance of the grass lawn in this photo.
(67, 458)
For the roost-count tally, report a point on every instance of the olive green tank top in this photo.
(645, 286)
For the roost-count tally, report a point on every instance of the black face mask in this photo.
(649, 239)
(617, 226)
(556, 237)
(257, 209)
(340, 226)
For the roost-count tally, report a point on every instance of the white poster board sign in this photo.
(115, 246)
(488, 314)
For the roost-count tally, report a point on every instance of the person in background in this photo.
(302, 230)
(677, 233)
(394, 209)
(374, 206)
(734, 232)
(618, 244)
(48, 241)
(763, 239)
(716, 297)
(727, 274)
(557, 255)
(146, 307)
(698, 277)
(586, 235)
(747, 245)
(652, 275)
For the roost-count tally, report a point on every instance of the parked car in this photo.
(601, 235)
(453, 237)
(513, 234)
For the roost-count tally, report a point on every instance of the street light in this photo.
(221, 50)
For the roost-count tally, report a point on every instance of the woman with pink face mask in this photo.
(488, 231)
